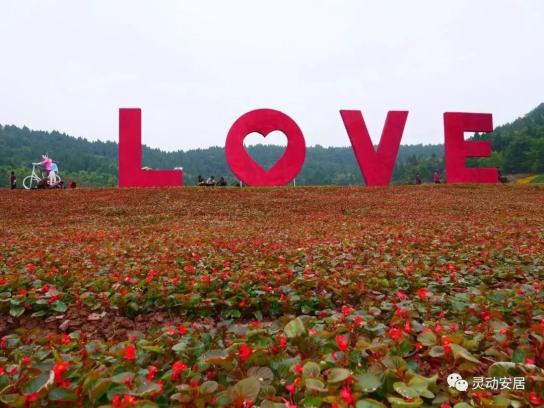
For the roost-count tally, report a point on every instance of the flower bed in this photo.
(271, 297)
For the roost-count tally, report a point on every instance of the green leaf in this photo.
(13, 400)
(153, 349)
(39, 383)
(223, 398)
(369, 403)
(208, 387)
(460, 351)
(270, 404)
(311, 370)
(462, 405)
(245, 390)
(427, 338)
(263, 374)
(503, 369)
(421, 384)
(394, 362)
(122, 377)
(405, 390)
(436, 351)
(145, 404)
(99, 388)
(182, 345)
(337, 375)
(16, 310)
(62, 394)
(314, 384)
(147, 388)
(216, 357)
(59, 306)
(368, 382)
(400, 403)
(310, 401)
(518, 356)
(294, 328)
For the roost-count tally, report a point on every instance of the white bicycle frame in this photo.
(32, 181)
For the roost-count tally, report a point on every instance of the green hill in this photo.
(518, 147)
(95, 163)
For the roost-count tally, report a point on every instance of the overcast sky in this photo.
(195, 66)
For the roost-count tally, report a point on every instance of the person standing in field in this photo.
(53, 173)
(436, 177)
(13, 180)
(418, 178)
(46, 164)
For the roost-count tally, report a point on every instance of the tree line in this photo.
(517, 147)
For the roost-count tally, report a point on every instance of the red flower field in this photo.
(280, 297)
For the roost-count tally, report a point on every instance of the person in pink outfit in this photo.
(46, 164)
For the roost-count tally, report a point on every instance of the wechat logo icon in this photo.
(456, 381)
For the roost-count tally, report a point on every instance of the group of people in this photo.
(436, 177)
(210, 181)
(50, 170)
(48, 177)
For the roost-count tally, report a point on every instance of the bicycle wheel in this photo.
(55, 183)
(30, 182)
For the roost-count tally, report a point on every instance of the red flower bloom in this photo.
(32, 397)
(283, 342)
(342, 343)
(65, 339)
(151, 373)
(182, 329)
(407, 326)
(177, 369)
(346, 395)
(130, 353)
(346, 310)
(358, 321)
(423, 293)
(395, 334)
(128, 400)
(535, 399)
(291, 388)
(59, 369)
(245, 352)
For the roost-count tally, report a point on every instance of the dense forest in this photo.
(517, 147)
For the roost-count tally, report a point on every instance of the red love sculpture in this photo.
(264, 121)
(376, 166)
(456, 149)
(130, 156)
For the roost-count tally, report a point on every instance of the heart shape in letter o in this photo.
(265, 121)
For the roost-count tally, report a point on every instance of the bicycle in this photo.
(31, 182)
